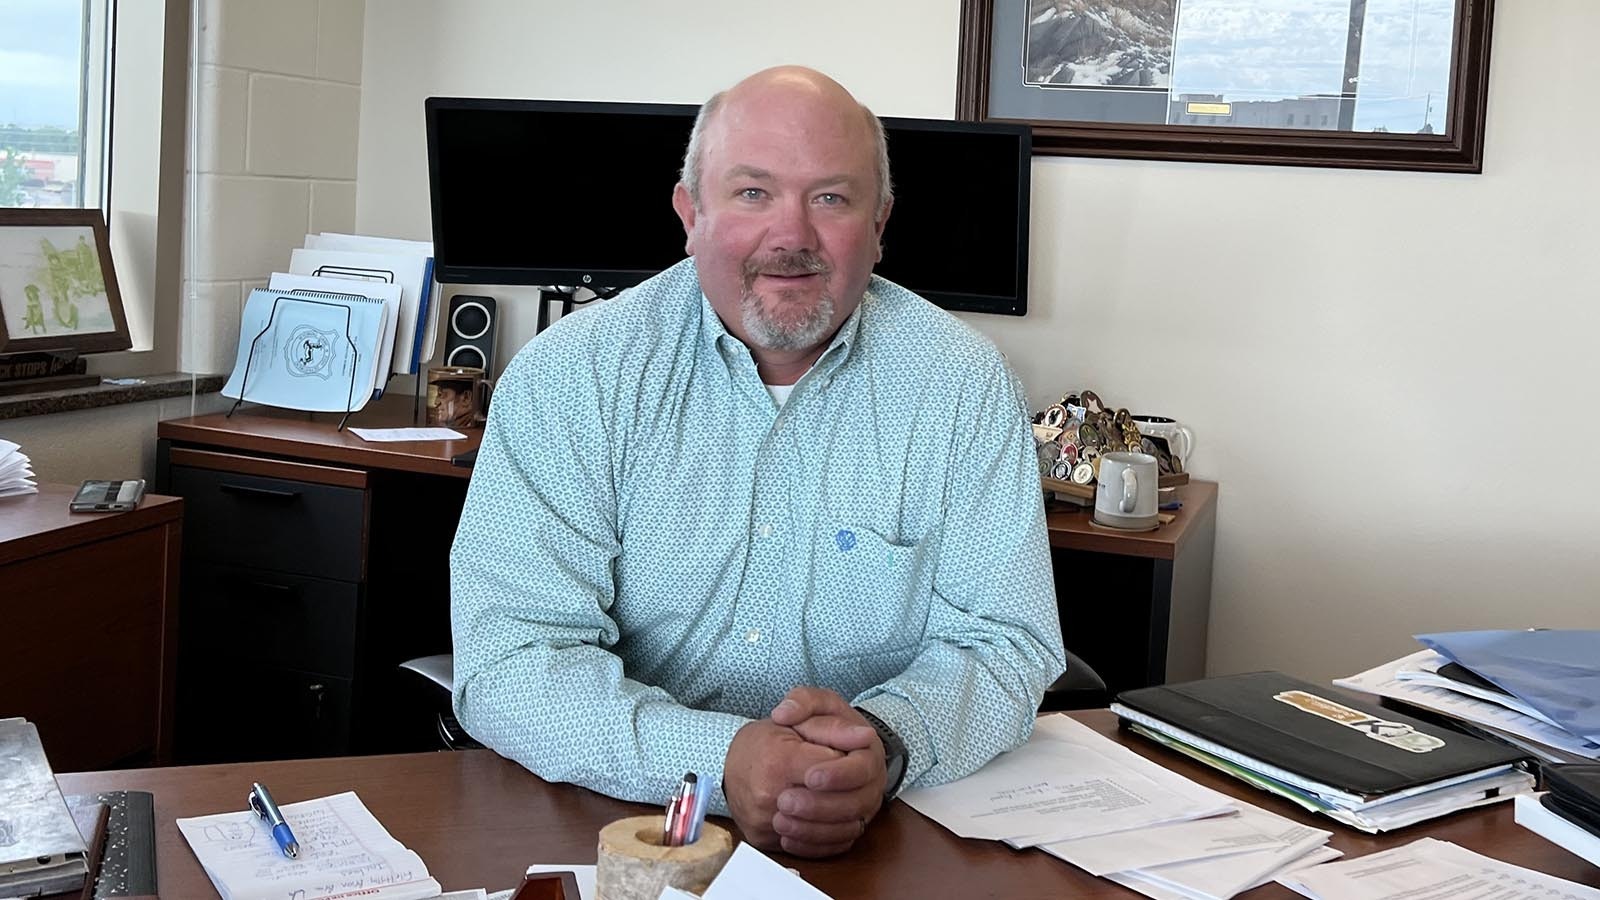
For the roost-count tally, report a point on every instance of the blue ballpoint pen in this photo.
(261, 802)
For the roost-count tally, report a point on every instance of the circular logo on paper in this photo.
(309, 352)
(846, 539)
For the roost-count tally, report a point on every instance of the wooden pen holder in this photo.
(635, 865)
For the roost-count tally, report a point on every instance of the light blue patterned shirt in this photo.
(653, 552)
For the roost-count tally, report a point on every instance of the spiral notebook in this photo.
(311, 351)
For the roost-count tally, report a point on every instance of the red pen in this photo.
(685, 812)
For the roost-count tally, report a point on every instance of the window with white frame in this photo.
(55, 99)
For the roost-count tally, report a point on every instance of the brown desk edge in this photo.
(299, 435)
(35, 524)
(479, 820)
(1071, 529)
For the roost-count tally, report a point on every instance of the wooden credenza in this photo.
(89, 604)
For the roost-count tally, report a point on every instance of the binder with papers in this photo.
(1370, 768)
(408, 264)
(316, 352)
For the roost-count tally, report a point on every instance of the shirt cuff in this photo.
(692, 740)
(899, 714)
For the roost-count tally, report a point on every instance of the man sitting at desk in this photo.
(763, 517)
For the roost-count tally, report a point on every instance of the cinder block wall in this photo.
(279, 113)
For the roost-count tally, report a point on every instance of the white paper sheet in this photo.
(1252, 830)
(1430, 869)
(1060, 786)
(751, 874)
(385, 435)
(1222, 877)
(344, 851)
(1160, 891)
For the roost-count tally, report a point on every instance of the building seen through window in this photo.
(53, 103)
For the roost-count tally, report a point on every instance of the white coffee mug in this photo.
(1180, 440)
(1129, 485)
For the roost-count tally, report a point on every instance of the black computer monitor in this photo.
(576, 193)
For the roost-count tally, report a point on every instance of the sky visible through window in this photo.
(41, 91)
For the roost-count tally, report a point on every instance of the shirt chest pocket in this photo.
(868, 603)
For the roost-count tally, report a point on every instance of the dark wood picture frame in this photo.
(1460, 149)
(115, 338)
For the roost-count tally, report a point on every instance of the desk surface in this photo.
(478, 820)
(301, 435)
(34, 524)
(282, 432)
(1071, 526)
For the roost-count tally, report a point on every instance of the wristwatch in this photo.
(894, 753)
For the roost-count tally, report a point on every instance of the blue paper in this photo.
(1556, 671)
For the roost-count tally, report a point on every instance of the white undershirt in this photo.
(780, 392)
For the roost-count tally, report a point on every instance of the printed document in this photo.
(1430, 869)
(344, 853)
(1252, 830)
(1059, 786)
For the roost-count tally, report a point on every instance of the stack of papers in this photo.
(16, 471)
(1366, 767)
(1430, 869)
(1089, 801)
(344, 852)
(327, 335)
(1424, 680)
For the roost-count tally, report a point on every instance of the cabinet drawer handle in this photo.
(246, 490)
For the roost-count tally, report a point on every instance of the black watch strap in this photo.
(894, 752)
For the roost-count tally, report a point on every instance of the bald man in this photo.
(764, 517)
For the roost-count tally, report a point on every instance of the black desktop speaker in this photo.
(469, 333)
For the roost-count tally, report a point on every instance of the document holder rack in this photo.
(244, 382)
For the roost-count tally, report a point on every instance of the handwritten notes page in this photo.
(344, 853)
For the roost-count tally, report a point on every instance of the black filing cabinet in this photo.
(271, 605)
(297, 604)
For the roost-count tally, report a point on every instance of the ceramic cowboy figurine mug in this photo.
(458, 396)
(1126, 498)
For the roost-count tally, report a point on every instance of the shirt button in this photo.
(765, 531)
(753, 636)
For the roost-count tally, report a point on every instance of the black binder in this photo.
(1319, 733)
(1575, 794)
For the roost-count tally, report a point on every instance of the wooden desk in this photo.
(332, 554)
(1135, 607)
(89, 602)
(478, 820)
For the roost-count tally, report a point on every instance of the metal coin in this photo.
(1082, 473)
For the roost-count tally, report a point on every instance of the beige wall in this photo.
(109, 442)
(278, 113)
(1376, 364)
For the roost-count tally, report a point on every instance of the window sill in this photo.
(152, 387)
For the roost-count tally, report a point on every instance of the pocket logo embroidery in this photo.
(845, 539)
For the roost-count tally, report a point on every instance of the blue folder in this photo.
(1556, 671)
